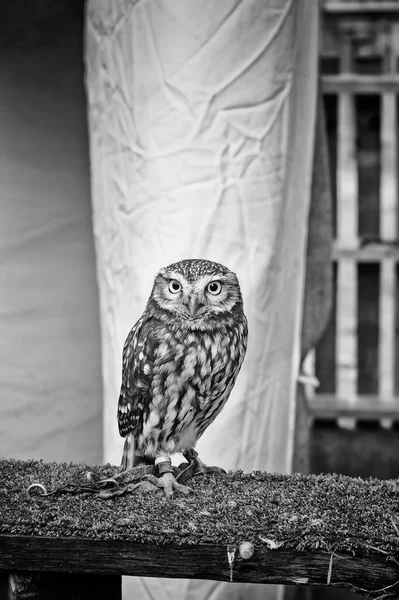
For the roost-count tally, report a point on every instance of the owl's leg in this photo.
(196, 466)
(166, 480)
(134, 466)
(131, 458)
(139, 472)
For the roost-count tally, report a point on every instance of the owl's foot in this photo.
(166, 480)
(196, 467)
(143, 479)
(168, 483)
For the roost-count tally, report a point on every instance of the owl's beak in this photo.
(193, 305)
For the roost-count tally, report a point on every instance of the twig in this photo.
(330, 569)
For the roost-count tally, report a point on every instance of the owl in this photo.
(180, 362)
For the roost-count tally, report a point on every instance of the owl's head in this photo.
(195, 292)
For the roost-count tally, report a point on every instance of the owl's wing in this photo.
(224, 365)
(137, 363)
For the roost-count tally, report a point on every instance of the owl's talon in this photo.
(196, 467)
(137, 481)
(169, 483)
(186, 471)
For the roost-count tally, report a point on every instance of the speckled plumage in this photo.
(181, 358)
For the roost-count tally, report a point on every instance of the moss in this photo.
(330, 512)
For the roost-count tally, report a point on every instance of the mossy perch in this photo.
(260, 528)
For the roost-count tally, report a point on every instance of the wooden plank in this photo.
(369, 253)
(368, 328)
(360, 84)
(365, 407)
(387, 325)
(388, 225)
(389, 142)
(347, 221)
(396, 352)
(347, 329)
(23, 585)
(397, 162)
(370, 571)
(347, 181)
(394, 66)
(360, 7)
(389, 167)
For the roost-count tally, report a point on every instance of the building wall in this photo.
(50, 371)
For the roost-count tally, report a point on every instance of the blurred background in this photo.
(50, 363)
(356, 408)
(50, 359)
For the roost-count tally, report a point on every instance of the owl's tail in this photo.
(127, 461)
(130, 457)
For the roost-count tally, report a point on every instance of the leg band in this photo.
(164, 464)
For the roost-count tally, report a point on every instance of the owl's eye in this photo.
(214, 288)
(174, 286)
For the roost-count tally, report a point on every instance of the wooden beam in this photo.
(347, 229)
(387, 317)
(388, 232)
(21, 585)
(370, 252)
(216, 562)
(346, 330)
(388, 224)
(360, 84)
(365, 407)
(389, 142)
(254, 527)
(396, 338)
(389, 161)
(347, 180)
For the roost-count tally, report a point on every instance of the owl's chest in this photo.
(187, 366)
(192, 378)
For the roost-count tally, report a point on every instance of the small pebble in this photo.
(246, 550)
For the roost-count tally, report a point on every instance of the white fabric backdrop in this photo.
(201, 122)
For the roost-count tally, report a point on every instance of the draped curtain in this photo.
(202, 126)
